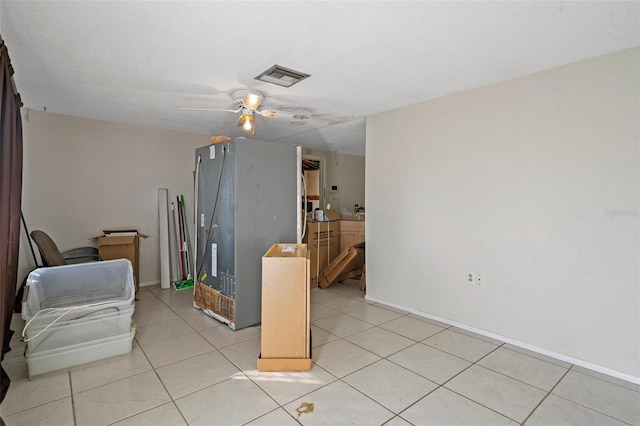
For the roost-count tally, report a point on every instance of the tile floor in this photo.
(373, 365)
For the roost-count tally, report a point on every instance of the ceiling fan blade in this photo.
(211, 109)
(282, 114)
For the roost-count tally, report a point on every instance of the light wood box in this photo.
(285, 329)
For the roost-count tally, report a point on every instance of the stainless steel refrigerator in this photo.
(246, 200)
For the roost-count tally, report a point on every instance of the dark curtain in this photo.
(10, 198)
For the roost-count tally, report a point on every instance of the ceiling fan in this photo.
(248, 102)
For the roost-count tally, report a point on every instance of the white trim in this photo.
(301, 208)
(542, 351)
(149, 283)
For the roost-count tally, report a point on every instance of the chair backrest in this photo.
(49, 252)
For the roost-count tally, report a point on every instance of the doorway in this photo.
(313, 172)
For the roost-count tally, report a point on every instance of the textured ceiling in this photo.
(139, 62)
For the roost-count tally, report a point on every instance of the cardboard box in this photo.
(331, 214)
(286, 312)
(220, 306)
(348, 264)
(323, 244)
(122, 245)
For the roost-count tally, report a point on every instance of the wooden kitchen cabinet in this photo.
(351, 233)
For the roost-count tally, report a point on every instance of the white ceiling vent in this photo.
(282, 76)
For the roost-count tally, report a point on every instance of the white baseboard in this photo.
(533, 348)
(149, 283)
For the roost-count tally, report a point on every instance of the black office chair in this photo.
(51, 255)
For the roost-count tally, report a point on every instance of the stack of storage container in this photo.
(78, 314)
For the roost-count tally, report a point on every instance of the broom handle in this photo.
(33, 253)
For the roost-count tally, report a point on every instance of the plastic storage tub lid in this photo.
(83, 285)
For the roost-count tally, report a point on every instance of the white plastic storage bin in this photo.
(98, 325)
(78, 354)
(81, 289)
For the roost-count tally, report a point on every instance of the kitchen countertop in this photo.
(356, 218)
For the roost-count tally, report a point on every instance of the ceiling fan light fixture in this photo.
(252, 100)
(246, 121)
(282, 76)
(247, 98)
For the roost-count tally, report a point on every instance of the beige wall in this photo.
(82, 176)
(535, 183)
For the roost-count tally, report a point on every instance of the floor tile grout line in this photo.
(73, 405)
(369, 322)
(380, 326)
(266, 414)
(340, 379)
(38, 405)
(473, 337)
(421, 342)
(465, 334)
(482, 405)
(322, 344)
(466, 397)
(516, 379)
(335, 379)
(342, 337)
(449, 353)
(415, 402)
(415, 342)
(384, 322)
(535, 357)
(147, 410)
(119, 380)
(169, 338)
(545, 397)
(434, 334)
(472, 364)
(425, 377)
(125, 378)
(590, 408)
(443, 385)
(605, 381)
(358, 369)
(368, 396)
(347, 341)
(231, 344)
(134, 375)
(402, 418)
(383, 357)
(225, 356)
(210, 385)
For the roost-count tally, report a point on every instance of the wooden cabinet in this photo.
(286, 333)
(351, 232)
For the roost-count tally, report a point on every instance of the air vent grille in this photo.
(282, 76)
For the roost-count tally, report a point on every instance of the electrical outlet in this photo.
(480, 279)
(471, 278)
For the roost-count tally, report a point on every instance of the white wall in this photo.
(82, 176)
(533, 182)
(348, 172)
